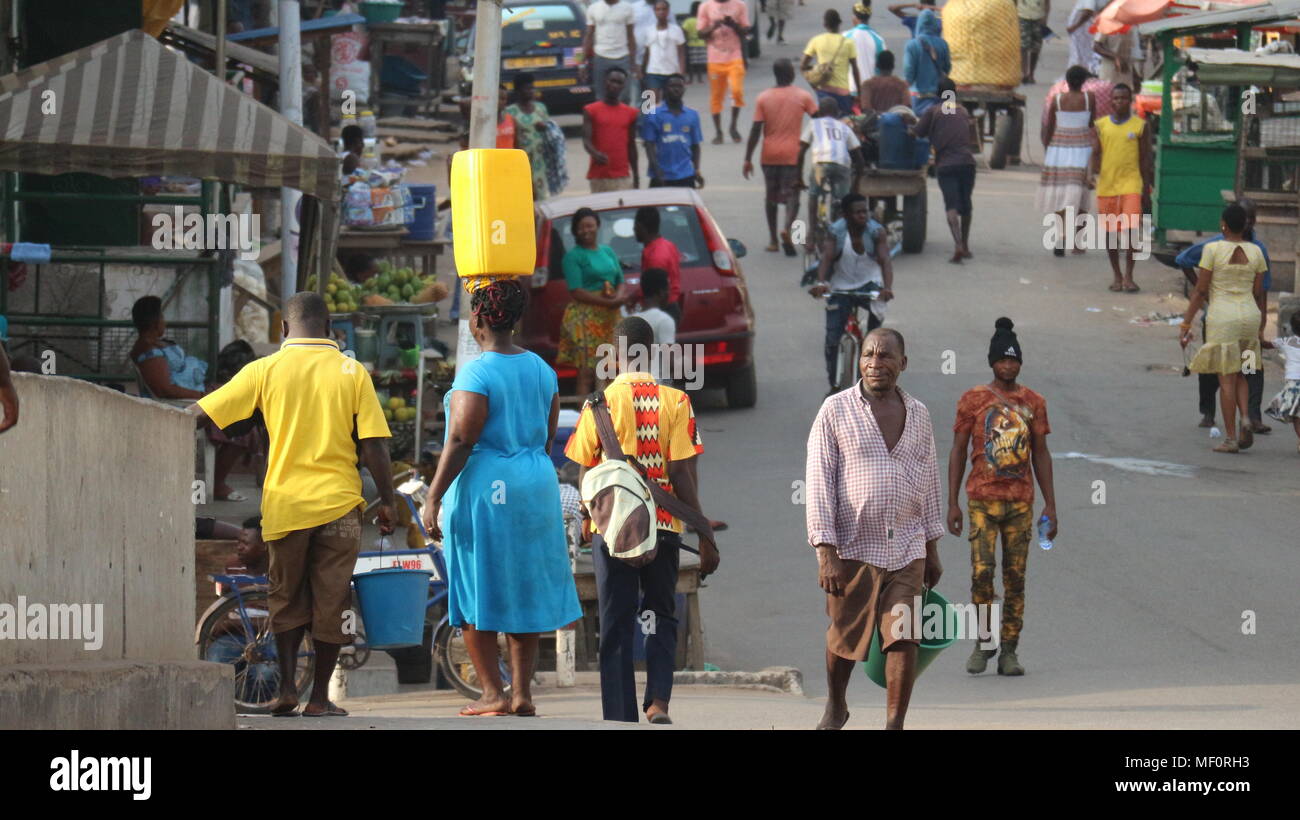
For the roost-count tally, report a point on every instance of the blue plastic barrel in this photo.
(900, 150)
(392, 606)
(426, 208)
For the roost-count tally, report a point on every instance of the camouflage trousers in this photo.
(1015, 521)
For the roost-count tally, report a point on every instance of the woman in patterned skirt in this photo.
(530, 117)
(1067, 135)
(594, 274)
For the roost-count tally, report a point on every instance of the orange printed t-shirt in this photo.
(1001, 440)
(654, 423)
(781, 111)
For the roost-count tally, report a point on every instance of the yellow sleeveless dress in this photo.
(1232, 321)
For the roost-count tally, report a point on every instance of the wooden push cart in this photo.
(888, 186)
(1000, 113)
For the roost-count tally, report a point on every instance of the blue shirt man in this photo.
(672, 139)
(1190, 258)
(925, 58)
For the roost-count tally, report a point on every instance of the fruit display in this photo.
(397, 410)
(390, 286)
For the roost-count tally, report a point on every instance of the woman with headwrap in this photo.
(925, 61)
(507, 556)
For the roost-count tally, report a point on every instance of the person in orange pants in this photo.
(724, 24)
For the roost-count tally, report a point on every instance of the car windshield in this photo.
(678, 224)
(526, 27)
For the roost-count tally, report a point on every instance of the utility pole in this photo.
(291, 107)
(482, 129)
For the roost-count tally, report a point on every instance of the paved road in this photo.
(1136, 616)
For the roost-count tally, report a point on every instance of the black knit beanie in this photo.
(1004, 343)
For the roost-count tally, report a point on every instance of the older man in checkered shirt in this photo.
(875, 519)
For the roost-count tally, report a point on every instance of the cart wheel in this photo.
(1017, 116)
(914, 216)
(1003, 135)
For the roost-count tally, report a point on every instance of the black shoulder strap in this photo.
(613, 449)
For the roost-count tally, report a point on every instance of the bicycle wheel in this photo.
(453, 659)
(251, 651)
(846, 362)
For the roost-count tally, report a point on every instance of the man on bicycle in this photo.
(854, 257)
(836, 160)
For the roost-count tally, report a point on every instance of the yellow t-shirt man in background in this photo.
(1121, 165)
(834, 49)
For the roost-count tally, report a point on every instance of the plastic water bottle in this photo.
(1215, 432)
(1043, 540)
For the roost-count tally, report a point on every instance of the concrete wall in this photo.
(95, 509)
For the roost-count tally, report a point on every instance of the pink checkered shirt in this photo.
(872, 504)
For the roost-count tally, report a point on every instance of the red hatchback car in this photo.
(716, 312)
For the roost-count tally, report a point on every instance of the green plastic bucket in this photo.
(929, 648)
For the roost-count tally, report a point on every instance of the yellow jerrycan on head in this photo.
(493, 232)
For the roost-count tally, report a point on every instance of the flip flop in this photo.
(331, 710)
(1132, 288)
(772, 248)
(1116, 287)
(470, 711)
(717, 140)
(529, 713)
(292, 711)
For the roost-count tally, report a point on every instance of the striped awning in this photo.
(129, 106)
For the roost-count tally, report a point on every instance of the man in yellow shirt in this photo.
(318, 404)
(1121, 172)
(830, 48)
(656, 426)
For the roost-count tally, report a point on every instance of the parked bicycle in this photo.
(236, 628)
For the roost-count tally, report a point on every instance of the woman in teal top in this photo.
(507, 555)
(594, 274)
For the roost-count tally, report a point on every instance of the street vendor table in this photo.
(395, 245)
(432, 36)
(690, 631)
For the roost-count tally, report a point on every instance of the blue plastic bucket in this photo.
(426, 208)
(392, 606)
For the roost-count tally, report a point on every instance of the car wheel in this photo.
(742, 387)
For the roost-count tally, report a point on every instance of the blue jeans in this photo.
(844, 101)
(921, 103)
(838, 309)
(623, 592)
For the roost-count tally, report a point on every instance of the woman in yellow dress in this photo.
(1231, 276)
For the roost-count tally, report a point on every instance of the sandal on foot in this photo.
(1228, 446)
(1245, 438)
(773, 248)
(330, 710)
(1132, 288)
(285, 711)
(1116, 287)
(470, 711)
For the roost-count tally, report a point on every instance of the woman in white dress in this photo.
(1067, 136)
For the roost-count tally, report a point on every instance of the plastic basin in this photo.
(929, 648)
(392, 605)
(381, 12)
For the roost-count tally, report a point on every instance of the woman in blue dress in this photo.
(507, 556)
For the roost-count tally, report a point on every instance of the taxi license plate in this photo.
(530, 62)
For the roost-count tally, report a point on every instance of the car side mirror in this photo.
(738, 248)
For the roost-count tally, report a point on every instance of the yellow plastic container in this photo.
(492, 213)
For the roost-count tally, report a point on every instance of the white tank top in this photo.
(854, 270)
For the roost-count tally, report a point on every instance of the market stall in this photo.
(1204, 121)
(129, 107)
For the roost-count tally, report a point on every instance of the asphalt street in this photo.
(1136, 616)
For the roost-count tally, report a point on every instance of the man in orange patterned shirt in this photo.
(656, 424)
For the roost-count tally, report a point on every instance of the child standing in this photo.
(1285, 406)
(654, 297)
(696, 48)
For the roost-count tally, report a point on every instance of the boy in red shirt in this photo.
(609, 136)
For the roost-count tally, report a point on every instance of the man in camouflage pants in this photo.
(1005, 426)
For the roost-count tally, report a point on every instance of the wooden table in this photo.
(690, 629)
(395, 245)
